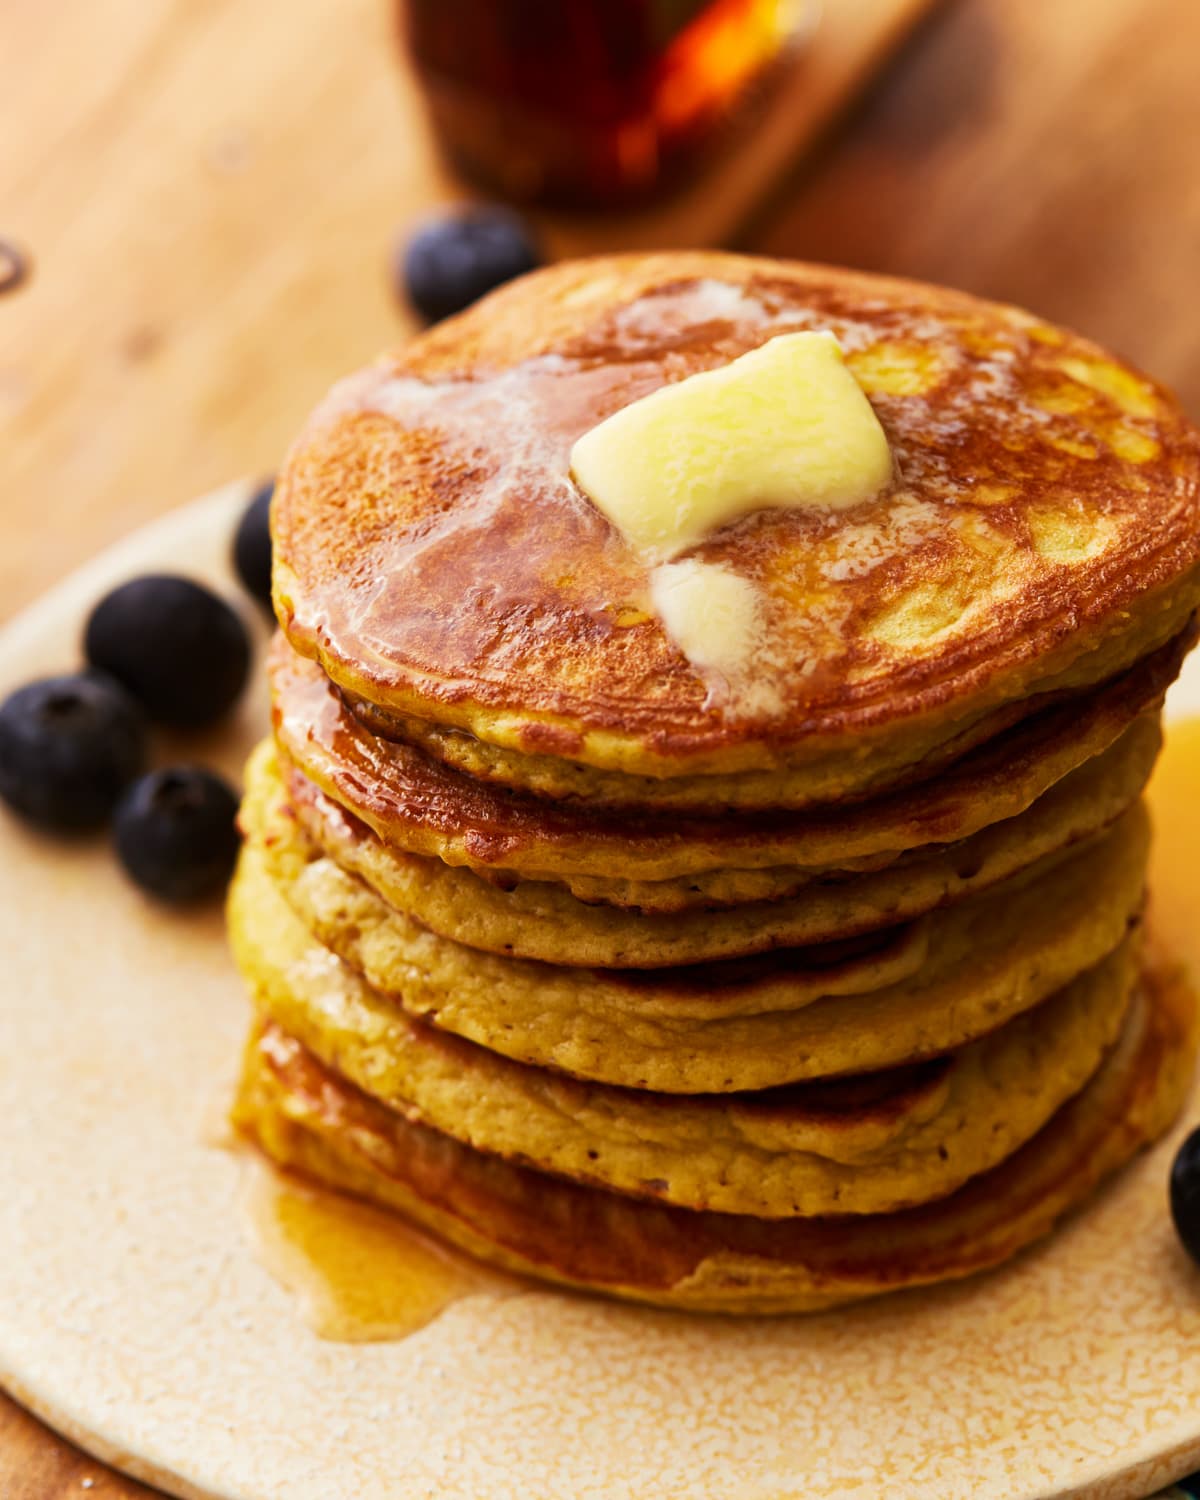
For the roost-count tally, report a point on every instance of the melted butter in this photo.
(359, 1274)
(715, 618)
(470, 472)
(1174, 795)
(784, 426)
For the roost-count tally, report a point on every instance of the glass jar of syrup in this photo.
(588, 103)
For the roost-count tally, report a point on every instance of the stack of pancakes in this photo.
(753, 990)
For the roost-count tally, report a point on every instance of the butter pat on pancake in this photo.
(434, 556)
(784, 426)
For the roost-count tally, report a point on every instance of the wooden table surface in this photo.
(209, 189)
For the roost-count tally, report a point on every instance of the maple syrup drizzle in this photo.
(359, 1274)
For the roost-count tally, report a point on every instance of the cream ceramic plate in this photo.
(134, 1317)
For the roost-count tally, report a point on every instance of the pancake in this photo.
(324, 890)
(414, 804)
(759, 988)
(1080, 804)
(542, 920)
(431, 552)
(868, 1144)
(800, 1013)
(309, 1119)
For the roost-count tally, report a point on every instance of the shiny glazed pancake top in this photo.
(434, 554)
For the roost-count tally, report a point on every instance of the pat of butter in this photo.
(786, 425)
(716, 619)
(710, 613)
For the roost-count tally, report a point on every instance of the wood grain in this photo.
(208, 190)
(37, 1465)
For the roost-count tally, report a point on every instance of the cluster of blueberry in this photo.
(161, 649)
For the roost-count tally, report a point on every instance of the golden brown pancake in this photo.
(416, 805)
(868, 1144)
(751, 995)
(543, 920)
(433, 554)
(307, 1118)
(917, 990)
(618, 969)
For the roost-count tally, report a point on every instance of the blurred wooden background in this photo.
(210, 190)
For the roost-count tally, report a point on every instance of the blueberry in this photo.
(452, 260)
(69, 746)
(176, 833)
(252, 545)
(181, 651)
(1185, 1194)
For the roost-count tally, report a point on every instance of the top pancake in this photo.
(434, 555)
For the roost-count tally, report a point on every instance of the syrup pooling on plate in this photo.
(359, 1275)
(1174, 795)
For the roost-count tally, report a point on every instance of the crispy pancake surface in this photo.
(759, 988)
(433, 553)
(308, 1118)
